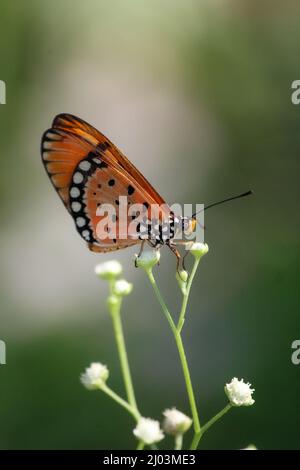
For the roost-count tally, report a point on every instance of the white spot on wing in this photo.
(86, 234)
(85, 165)
(52, 136)
(76, 206)
(80, 222)
(78, 177)
(74, 192)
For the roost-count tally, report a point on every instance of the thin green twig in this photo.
(120, 401)
(178, 442)
(161, 301)
(140, 445)
(188, 382)
(186, 295)
(115, 312)
(117, 324)
(181, 352)
(206, 426)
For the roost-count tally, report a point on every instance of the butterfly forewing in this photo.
(89, 171)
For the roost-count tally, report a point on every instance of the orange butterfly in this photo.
(89, 172)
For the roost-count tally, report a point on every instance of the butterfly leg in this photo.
(172, 246)
(157, 248)
(177, 254)
(183, 260)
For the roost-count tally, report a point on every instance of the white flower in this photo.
(239, 393)
(175, 422)
(108, 270)
(250, 447)
(94, 376)
(148, 431)
(147, 259)
(198, 249)
(122, 287)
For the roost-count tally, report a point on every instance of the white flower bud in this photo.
(148, 431)
(250, 447)
(94, 376)
(175, 422)
(182, 277)
(113, 301)
(108, 270)
(199, 249)
(147, 259)
(122, 287)
(239, 393)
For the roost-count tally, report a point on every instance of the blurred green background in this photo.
(197, 94)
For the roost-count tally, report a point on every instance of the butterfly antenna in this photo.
(247, 193)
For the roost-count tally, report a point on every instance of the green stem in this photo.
(140, 445)
(188, 382)
(206, 426)
(120, 401)
(162, 302)
(181, 352)
(178, 442)
(186, 295)
(216, 418)
(115, 308)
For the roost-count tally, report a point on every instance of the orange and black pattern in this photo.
(87, 171)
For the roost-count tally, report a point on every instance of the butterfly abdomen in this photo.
(158, 233)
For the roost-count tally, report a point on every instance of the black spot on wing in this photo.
(95, 155)
(103, 146)
(130, 190)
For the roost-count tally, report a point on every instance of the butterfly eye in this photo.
(188, 226)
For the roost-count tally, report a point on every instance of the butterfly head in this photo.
(188, 225)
